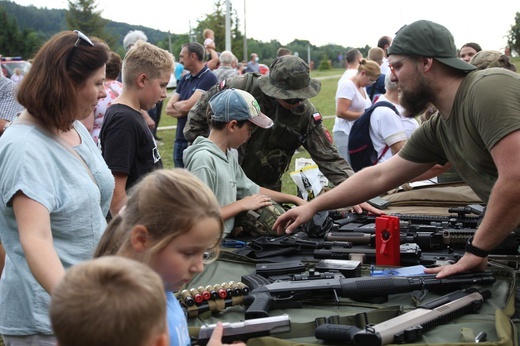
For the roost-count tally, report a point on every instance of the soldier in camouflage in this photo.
(283, 96)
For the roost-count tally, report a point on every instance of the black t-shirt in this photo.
(127, 144)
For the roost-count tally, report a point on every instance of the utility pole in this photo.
(228, 26)
(245, 34)
(170, 42)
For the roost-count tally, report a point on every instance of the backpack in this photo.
(360, 147)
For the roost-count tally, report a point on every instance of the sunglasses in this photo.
(81, 38)
(293, 101)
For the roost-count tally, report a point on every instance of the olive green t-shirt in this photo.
(486, 109)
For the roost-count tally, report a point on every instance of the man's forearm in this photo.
(502, 215)
(375, 180)
(173, 109)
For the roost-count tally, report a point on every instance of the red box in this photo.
(388, 241)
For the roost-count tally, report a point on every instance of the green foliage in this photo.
(82, 15)
(27, 27)
(513, 38)
(325, 63)
(16, 42)
(46, 22)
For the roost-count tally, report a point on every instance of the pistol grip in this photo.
(259, 305)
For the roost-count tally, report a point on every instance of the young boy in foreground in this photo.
(109, 301)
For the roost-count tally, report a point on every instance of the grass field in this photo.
(324, 102)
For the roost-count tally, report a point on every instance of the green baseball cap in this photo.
(289, 77)
(428, 39)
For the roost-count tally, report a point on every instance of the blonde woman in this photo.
(351, 102)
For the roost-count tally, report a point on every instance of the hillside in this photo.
(46, 22)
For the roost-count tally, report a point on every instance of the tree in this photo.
(82, 15)
(14, 42)
(216, 21)
(513, 39)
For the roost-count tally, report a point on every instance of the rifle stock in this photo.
(410, 326)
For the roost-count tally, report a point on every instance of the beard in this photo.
(416, 99)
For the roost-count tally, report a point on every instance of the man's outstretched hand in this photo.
(291, 219)
(365, 206)
(468, 262)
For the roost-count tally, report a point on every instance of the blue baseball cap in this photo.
(239, 105)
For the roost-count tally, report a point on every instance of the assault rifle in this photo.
(428, 237)
(436, 236)
(242, 331)
(459, 218)
(300, 241)
(409, 326)
(282, 294)
(411, 254)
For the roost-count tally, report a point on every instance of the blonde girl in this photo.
(170, 222)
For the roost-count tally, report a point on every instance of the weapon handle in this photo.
(259, 305)
(336, 333)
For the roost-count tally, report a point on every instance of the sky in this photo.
(346, 23)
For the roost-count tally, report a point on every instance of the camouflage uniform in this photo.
(268, 153)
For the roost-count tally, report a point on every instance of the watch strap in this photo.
(472, 249)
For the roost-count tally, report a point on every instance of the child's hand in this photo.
(216, 337)
(254, 202)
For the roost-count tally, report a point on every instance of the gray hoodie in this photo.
(221, 172)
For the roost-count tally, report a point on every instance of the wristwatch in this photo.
(475, 250)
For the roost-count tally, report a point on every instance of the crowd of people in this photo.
(87, 209)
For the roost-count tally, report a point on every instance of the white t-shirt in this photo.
(349, 73)
(385, 67)
(386, 128)
(348, 90)
(409, 124)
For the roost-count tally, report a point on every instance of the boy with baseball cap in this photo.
(235, 115)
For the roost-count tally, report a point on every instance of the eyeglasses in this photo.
(372, 81)
(293, 101)
(397, 64)
(82, 36)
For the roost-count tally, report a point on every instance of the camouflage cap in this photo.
(289, 77)
(260, 222)
(488, 58)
